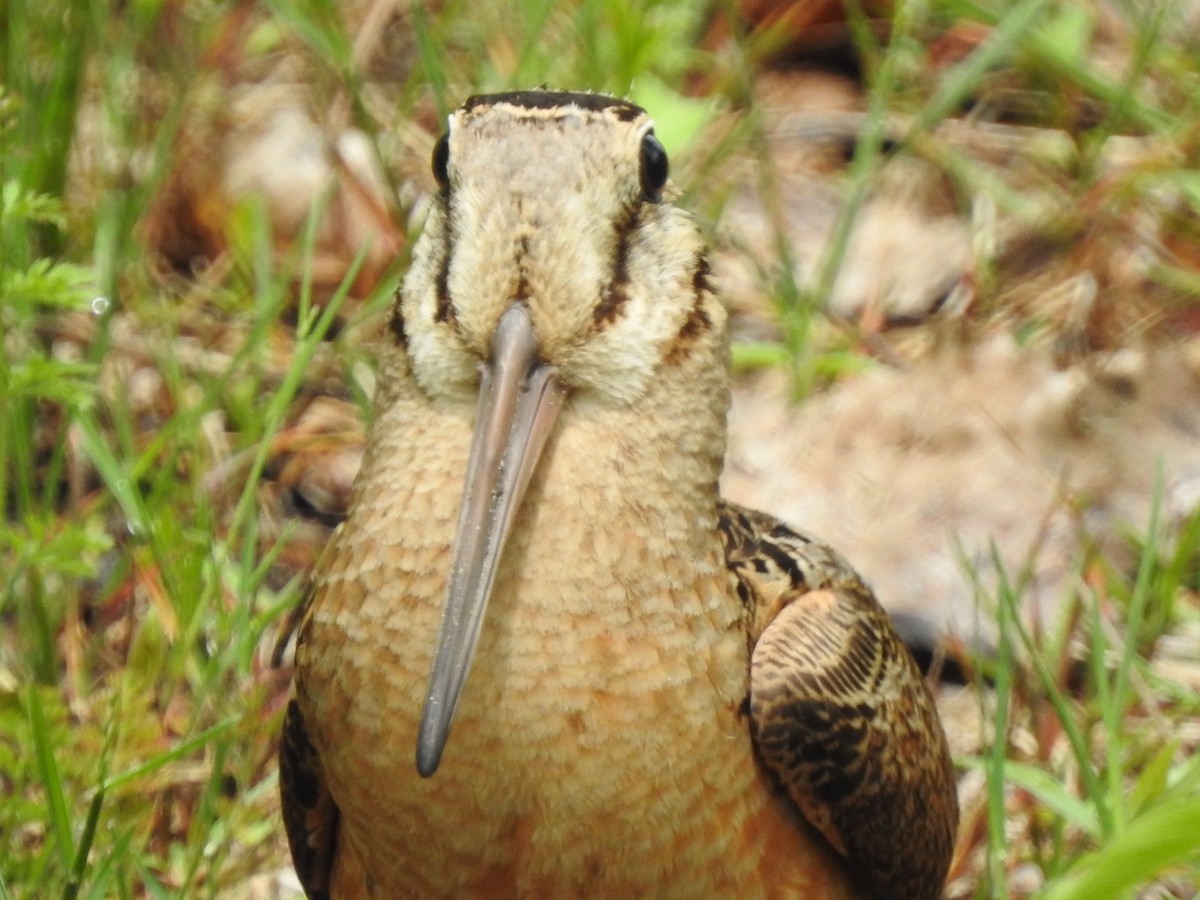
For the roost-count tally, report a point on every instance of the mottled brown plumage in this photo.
(837, 717)
(671, 696)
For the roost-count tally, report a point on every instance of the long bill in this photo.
(519, 402)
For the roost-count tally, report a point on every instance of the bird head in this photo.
(552, 270)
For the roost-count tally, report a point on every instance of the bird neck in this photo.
(626, 496)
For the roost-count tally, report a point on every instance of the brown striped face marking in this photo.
(558, 202)
(551, 272)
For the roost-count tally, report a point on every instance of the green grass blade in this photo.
(114, 475)
(309, 335)
(1164, 837)
(56, 801)
(1067, 717)
(180, 750)
(997, 759)
(85, 845)
(1015, 29)
(1140, 600)
(1007, 32)
(1055, 796)
(102, 878)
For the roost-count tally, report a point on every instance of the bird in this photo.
(542, 657)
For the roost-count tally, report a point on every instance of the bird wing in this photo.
(310, 817)
(841, 719)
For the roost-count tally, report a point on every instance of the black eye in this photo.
(654, 166)
(441, 161)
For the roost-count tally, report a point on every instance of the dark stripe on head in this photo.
(616, 294)
(702, 277)
(522, 289)
(696, 324)
(396, 322)
(444, 311)
(624, 110)
(698, 321)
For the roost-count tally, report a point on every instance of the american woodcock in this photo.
(671, 696)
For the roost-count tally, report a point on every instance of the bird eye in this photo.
(654, 166)
(441, 161)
